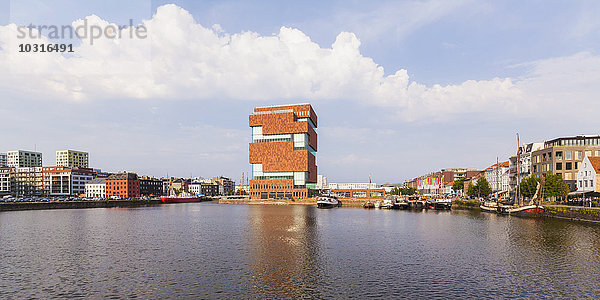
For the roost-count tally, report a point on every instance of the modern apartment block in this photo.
(3, 162)
(228, 186)
(29, 181)
(564, 155)
(282, 152)
(7, 181)
(66, 181)
(72, 159)
(23, 158)
(124, 185)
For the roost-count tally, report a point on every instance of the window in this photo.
(568, 176)
(578, 155)
(558, 166)
(585, 181)
(580, 183)
(576, 165)
(568, 155)
(588, 153)
(569, 166)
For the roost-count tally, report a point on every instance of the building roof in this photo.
(595, 161)
(499, 165)
(123, 176)
(97, 181)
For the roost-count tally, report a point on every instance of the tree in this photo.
(529, 186)
(458, 185)
(555, 186)
(480, 189)
(408, 191)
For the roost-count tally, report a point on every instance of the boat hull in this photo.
(181, 199)
(525, 211)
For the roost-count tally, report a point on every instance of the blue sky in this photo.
(401, 88)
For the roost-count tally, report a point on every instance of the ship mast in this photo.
(518, 171)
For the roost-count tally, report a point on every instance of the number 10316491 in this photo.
(45, 48)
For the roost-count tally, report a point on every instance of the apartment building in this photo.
(66, 181)
(29, 181)
(227, 185)
(3, 160)
(525, 169)
(497, 176)
(564, 155)
(96, 188)
(23, 159)
(7, 181)
(282, 152)
(72, 159)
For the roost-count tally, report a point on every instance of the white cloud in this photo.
(183, 59)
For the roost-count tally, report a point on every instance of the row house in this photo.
(588, 175)
(523, 161)
(497, 176)
(96, 188)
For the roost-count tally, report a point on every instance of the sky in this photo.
(401, 88)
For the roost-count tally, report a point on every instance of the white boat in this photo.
(377, 204)
(388, 204)
(489, 206)
(328, 201)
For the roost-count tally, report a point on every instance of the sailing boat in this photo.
(533, 209)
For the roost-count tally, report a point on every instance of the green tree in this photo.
(529, 186)
(458, 185)
(480, 189)
(408, 191)
(555, 186)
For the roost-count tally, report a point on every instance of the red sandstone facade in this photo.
(283, 152)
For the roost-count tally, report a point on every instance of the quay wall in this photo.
(345, 202)
(578, 213)
(11, 206)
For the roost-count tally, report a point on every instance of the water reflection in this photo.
(285, 252)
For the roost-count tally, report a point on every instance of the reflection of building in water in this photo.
(285, 252)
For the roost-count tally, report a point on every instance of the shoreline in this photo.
(17, 206)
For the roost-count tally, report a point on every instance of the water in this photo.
(206, 250)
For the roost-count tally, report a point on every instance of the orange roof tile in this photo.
(595, 161)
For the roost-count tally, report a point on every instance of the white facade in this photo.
(321, 182)
(29, 181)
(66, 182)
(498, 178)
(586, 176)
(96, 188)
(22, 158)
(195, 188)
(6, 180)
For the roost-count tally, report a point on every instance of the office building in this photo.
(66, 181)
(282, 152)
(72, 159)
(564, 155)
(227, 185)
(23, 159)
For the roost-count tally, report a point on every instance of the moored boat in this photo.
(181, 199)
(369, 204)
(328, 201)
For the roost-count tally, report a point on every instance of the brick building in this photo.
(124, 185)
(282, 152)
